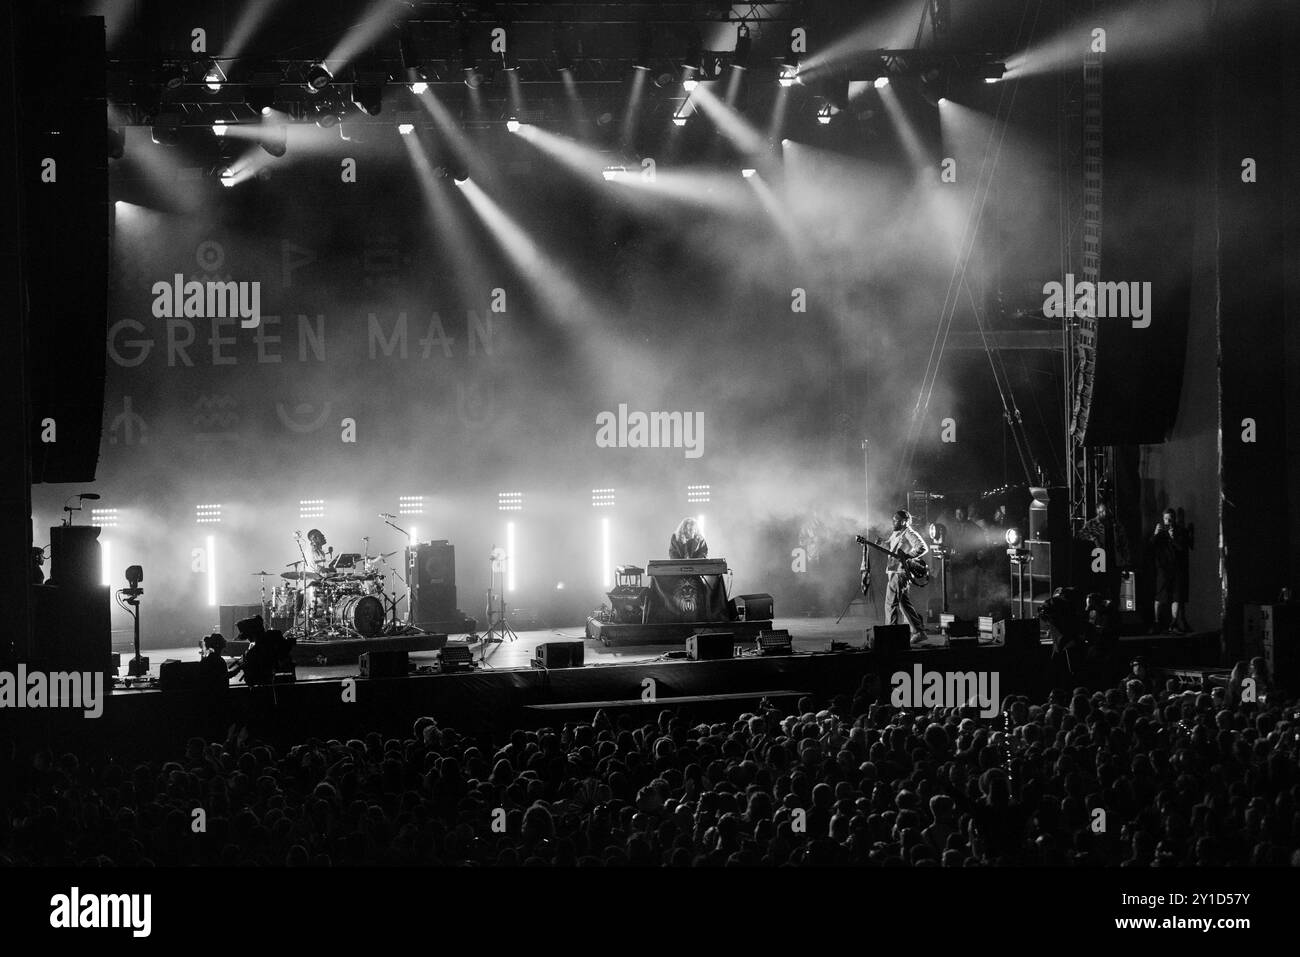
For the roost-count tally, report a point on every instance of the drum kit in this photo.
(345, 599)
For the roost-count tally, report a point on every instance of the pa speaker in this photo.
(891, 640)
(1018, 634)
(710, 646)
(384, 664)
(431, 575)
(76, 557)
(561, 654)
(757, 607)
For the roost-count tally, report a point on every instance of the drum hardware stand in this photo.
(500, 629)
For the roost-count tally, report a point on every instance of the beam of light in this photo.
(252, 13)
(453, 136)
(780, 216)
(511, 561)
(606, 554)
(632, 116)
(1142, 31)
(374, 23)
(891, 29)
(245, 167)
(516, 92)
(212, 571)
(580, 319)
(907, 132)
(448, 218)
(731, 124)
(106, 549)
(780, 106)
(735, 80)
(579, 122)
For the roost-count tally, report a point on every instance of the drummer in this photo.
(319, 555)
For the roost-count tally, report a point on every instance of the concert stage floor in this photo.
(807, 634)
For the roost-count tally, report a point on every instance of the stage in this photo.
(505, 691)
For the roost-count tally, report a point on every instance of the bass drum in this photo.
(364, 614)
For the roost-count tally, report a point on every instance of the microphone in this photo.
(90, 496)
(387, 515)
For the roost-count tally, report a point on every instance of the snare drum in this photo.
(364, 614)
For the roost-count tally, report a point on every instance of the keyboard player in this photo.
(687, 543)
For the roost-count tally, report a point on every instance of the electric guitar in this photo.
(915, 570)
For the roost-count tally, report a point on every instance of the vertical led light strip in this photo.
(212, 570)
(415, 535)
(606, 571)
(510, 556)
(107, 551)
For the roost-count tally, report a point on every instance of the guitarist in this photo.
(907, 540)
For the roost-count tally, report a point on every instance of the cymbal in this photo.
(294, 564)
(263, 574)
(310, 576)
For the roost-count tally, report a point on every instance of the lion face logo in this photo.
(686, 597)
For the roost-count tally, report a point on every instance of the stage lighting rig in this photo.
(213, 76)
(317, 78)
(512, 124)
(368, 90)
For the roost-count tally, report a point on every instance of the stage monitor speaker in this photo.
(76, 557)
(891, 640)
(384, 664)
(229, 614)
(431, 575)
(757, 607)
(711, 646)
(1018, 634)
(560, 654)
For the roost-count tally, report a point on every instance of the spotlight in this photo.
(317, 78)
(219, 128)
(173, 76)
(134, 576)
(512, 125)
(276, 143)
(406, 129)
(740, 59)
(1013, 537)
(824, 115)
(473, 79)
(938, 532)
(881, 82)
(327, 116)
(679, 119)
(992, 79)
(749, 173)
(419, 88)
(227, 177)
(612, 172)
(789, 74)
(645, 43)
(213, 76)
(368, 95)
(461, 181)
(690, 85)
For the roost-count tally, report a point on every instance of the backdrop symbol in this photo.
(129, 423)
(298, 418)
(210, 255)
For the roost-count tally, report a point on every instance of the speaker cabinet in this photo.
(1280, 643)
(757, 607)
(431, 574)
(76, 557)
(72, 629)
(710, 646)
(891, 640)
(628, 604)
(1018, 634)
(384, 664)
(189, 676)
(560, 654)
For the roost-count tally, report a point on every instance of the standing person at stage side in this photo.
(1108, 534)
(907, 540)
(1171, 544)
(687, 543)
